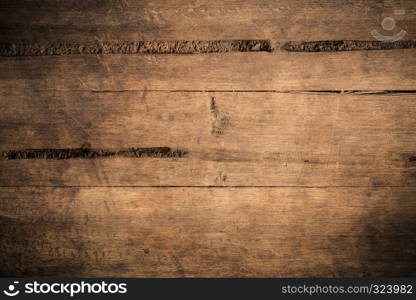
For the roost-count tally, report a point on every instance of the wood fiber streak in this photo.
(251, 232)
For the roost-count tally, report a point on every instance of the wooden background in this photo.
(249, 159)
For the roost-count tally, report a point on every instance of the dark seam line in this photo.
(207, 186)
(89, 153)
(346, 45)
(59, 48)
(346, 92)
(323, 92)
(62, 48)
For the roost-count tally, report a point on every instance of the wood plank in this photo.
(360, 70)
(280, 21)
(231, 139)
(267, 232)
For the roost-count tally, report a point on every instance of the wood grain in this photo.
(267, 232)
(255, 139)
(375, 70)
(293, 163)
(129, 20)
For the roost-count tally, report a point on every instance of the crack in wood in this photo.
(346, 45)
(87, 153)
(190, 47)
(221, 120)
(375, 187)
(341, 92)
(134, 47)
(363, 92)
(213, 107)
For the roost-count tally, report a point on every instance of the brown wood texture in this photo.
(281, 71)
(279, 21)
(261, 232)
(228, 150)
(230, 139)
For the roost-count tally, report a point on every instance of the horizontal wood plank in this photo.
(361, 70)
(283, 232)
(279, 21)
(232, 139)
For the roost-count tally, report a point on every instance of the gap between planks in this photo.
(313, 92)
(323, 92)
(186, 47)
(209, 186)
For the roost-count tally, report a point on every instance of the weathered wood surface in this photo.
(235, 139)
(279, 21)
(266, 232)
(280, 163)
(282, 71)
